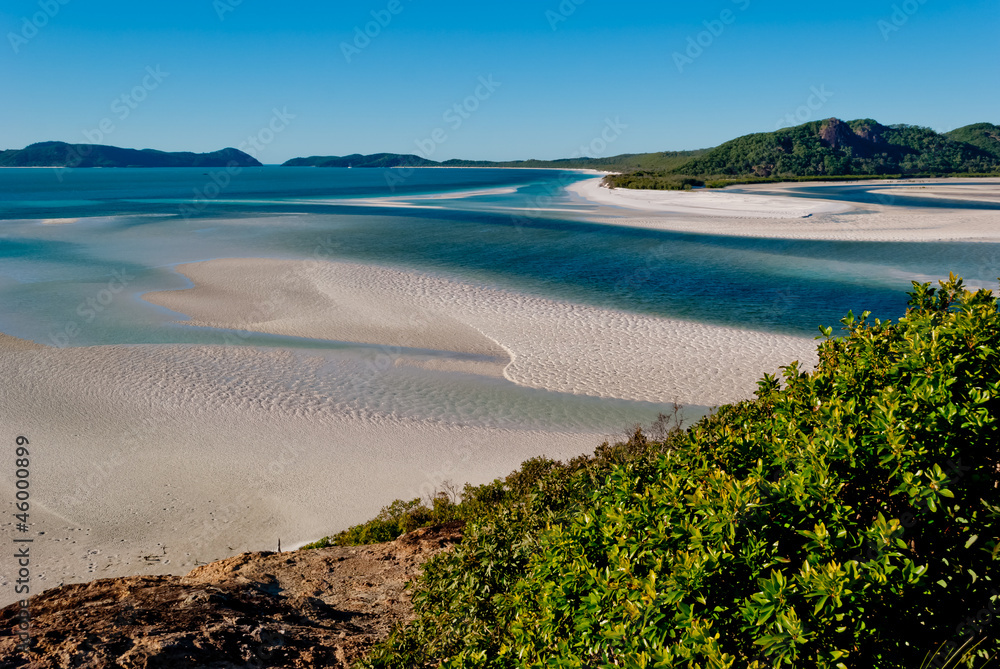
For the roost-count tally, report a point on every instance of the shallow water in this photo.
(881, 194)
(80, 284)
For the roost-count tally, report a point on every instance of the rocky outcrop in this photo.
(836, 134)
(870, 132)
(317, 608)
(860, 136)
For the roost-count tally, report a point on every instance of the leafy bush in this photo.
(398, 518)
(849, 516)
(482, 501)
(651, 180)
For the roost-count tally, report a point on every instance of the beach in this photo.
(766, 210)
(534, 342)
(157, 459)
(152, 459)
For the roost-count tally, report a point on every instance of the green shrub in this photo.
(651, 180)
(398, 518)
(846, 517)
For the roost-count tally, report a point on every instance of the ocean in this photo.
(81, 284)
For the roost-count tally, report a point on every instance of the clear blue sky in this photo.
(934, 63)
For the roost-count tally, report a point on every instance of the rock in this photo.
(836, 134)
(317, 608)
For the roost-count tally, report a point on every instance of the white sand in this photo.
(8, 343)
(734, 214)
(304, 299)
(705, 202)
(981, 190)
(553, 345)
(151, 459)
(155, 459)
(414, 201)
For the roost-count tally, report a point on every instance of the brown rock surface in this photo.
(836, 134)
(317, 608)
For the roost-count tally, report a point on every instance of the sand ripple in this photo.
(549, 344)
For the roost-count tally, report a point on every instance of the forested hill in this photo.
(985, 136)
(358, 160)
(61, 154)
(816, 150)
(831, 149)
(667, 160)
(835, 147)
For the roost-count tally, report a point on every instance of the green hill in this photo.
(663, 161)
(846, 517)
(358, 160)
(833, 147)
(61, 154)
(667, 160)
(984, 136)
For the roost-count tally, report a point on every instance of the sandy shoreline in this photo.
(155, 459)
(749, 215)
(537, 342)
(8, 343)
(705, 202)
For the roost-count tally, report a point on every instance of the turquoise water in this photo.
(81, 284)
(137, 225)
(867, 193)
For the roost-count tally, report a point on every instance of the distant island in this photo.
(830, 149)
(623, 162)
(818, 150)
(61, 154)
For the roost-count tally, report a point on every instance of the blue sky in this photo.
(671, 75)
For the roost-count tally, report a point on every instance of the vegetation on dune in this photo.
(666, 181)
(474, 502)
(649, 180)
(846, 517)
